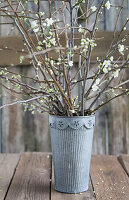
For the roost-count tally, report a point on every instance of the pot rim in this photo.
(58, 116)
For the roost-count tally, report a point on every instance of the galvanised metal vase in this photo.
(71, 139)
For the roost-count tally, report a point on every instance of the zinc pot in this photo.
(71, 140)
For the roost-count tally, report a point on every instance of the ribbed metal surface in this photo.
(71, 150)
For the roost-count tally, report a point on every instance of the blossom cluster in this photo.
(55, 76)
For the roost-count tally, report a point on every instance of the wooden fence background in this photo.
(20, 131)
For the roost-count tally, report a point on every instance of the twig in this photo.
(124, 93)
(24, 101)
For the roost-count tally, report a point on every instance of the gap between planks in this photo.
(124, 161)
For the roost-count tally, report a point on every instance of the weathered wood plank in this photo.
(12, 125)
(23, 131)
(32, 178)
(12, 48)
(124, 161)
(117, 119)
(99, 133)
(109, 179)
(8, 164)
(118, 125)
(55, 195)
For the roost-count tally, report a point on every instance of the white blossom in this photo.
(108, 5)
(116, 73)
(121, 48)
(106, 66)
(52, 62)
(105, 70)
(75, 47)
(111, 58)
(49, 21)
(92, 43)
(97, 81)
(44, 24)
(21, 58)
(70, 63)
(58, 63)
(39, 64)
(106, 63)
(53, 41)
(93, 8)
(115, 65)
(42, 13)
(87, 42)
(95, 87)
(34, 26)
(85, 48)
(81, 30)
(83, 41)
(72, 111)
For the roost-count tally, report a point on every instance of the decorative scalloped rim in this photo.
(72, 122)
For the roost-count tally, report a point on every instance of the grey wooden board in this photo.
(107, 176)
(12, 48)
(118, 124)
(22, 131)
(8, 163)
(32, 178)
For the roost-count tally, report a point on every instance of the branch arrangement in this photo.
(55, 80)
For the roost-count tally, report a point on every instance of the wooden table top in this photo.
(29, 177)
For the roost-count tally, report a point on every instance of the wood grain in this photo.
(8, 165)
(32, 178)
(12, 124)
(124, 161)
(12, 48)
(23, 131)
(118, 120)
(109, 179)
(55, 195)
